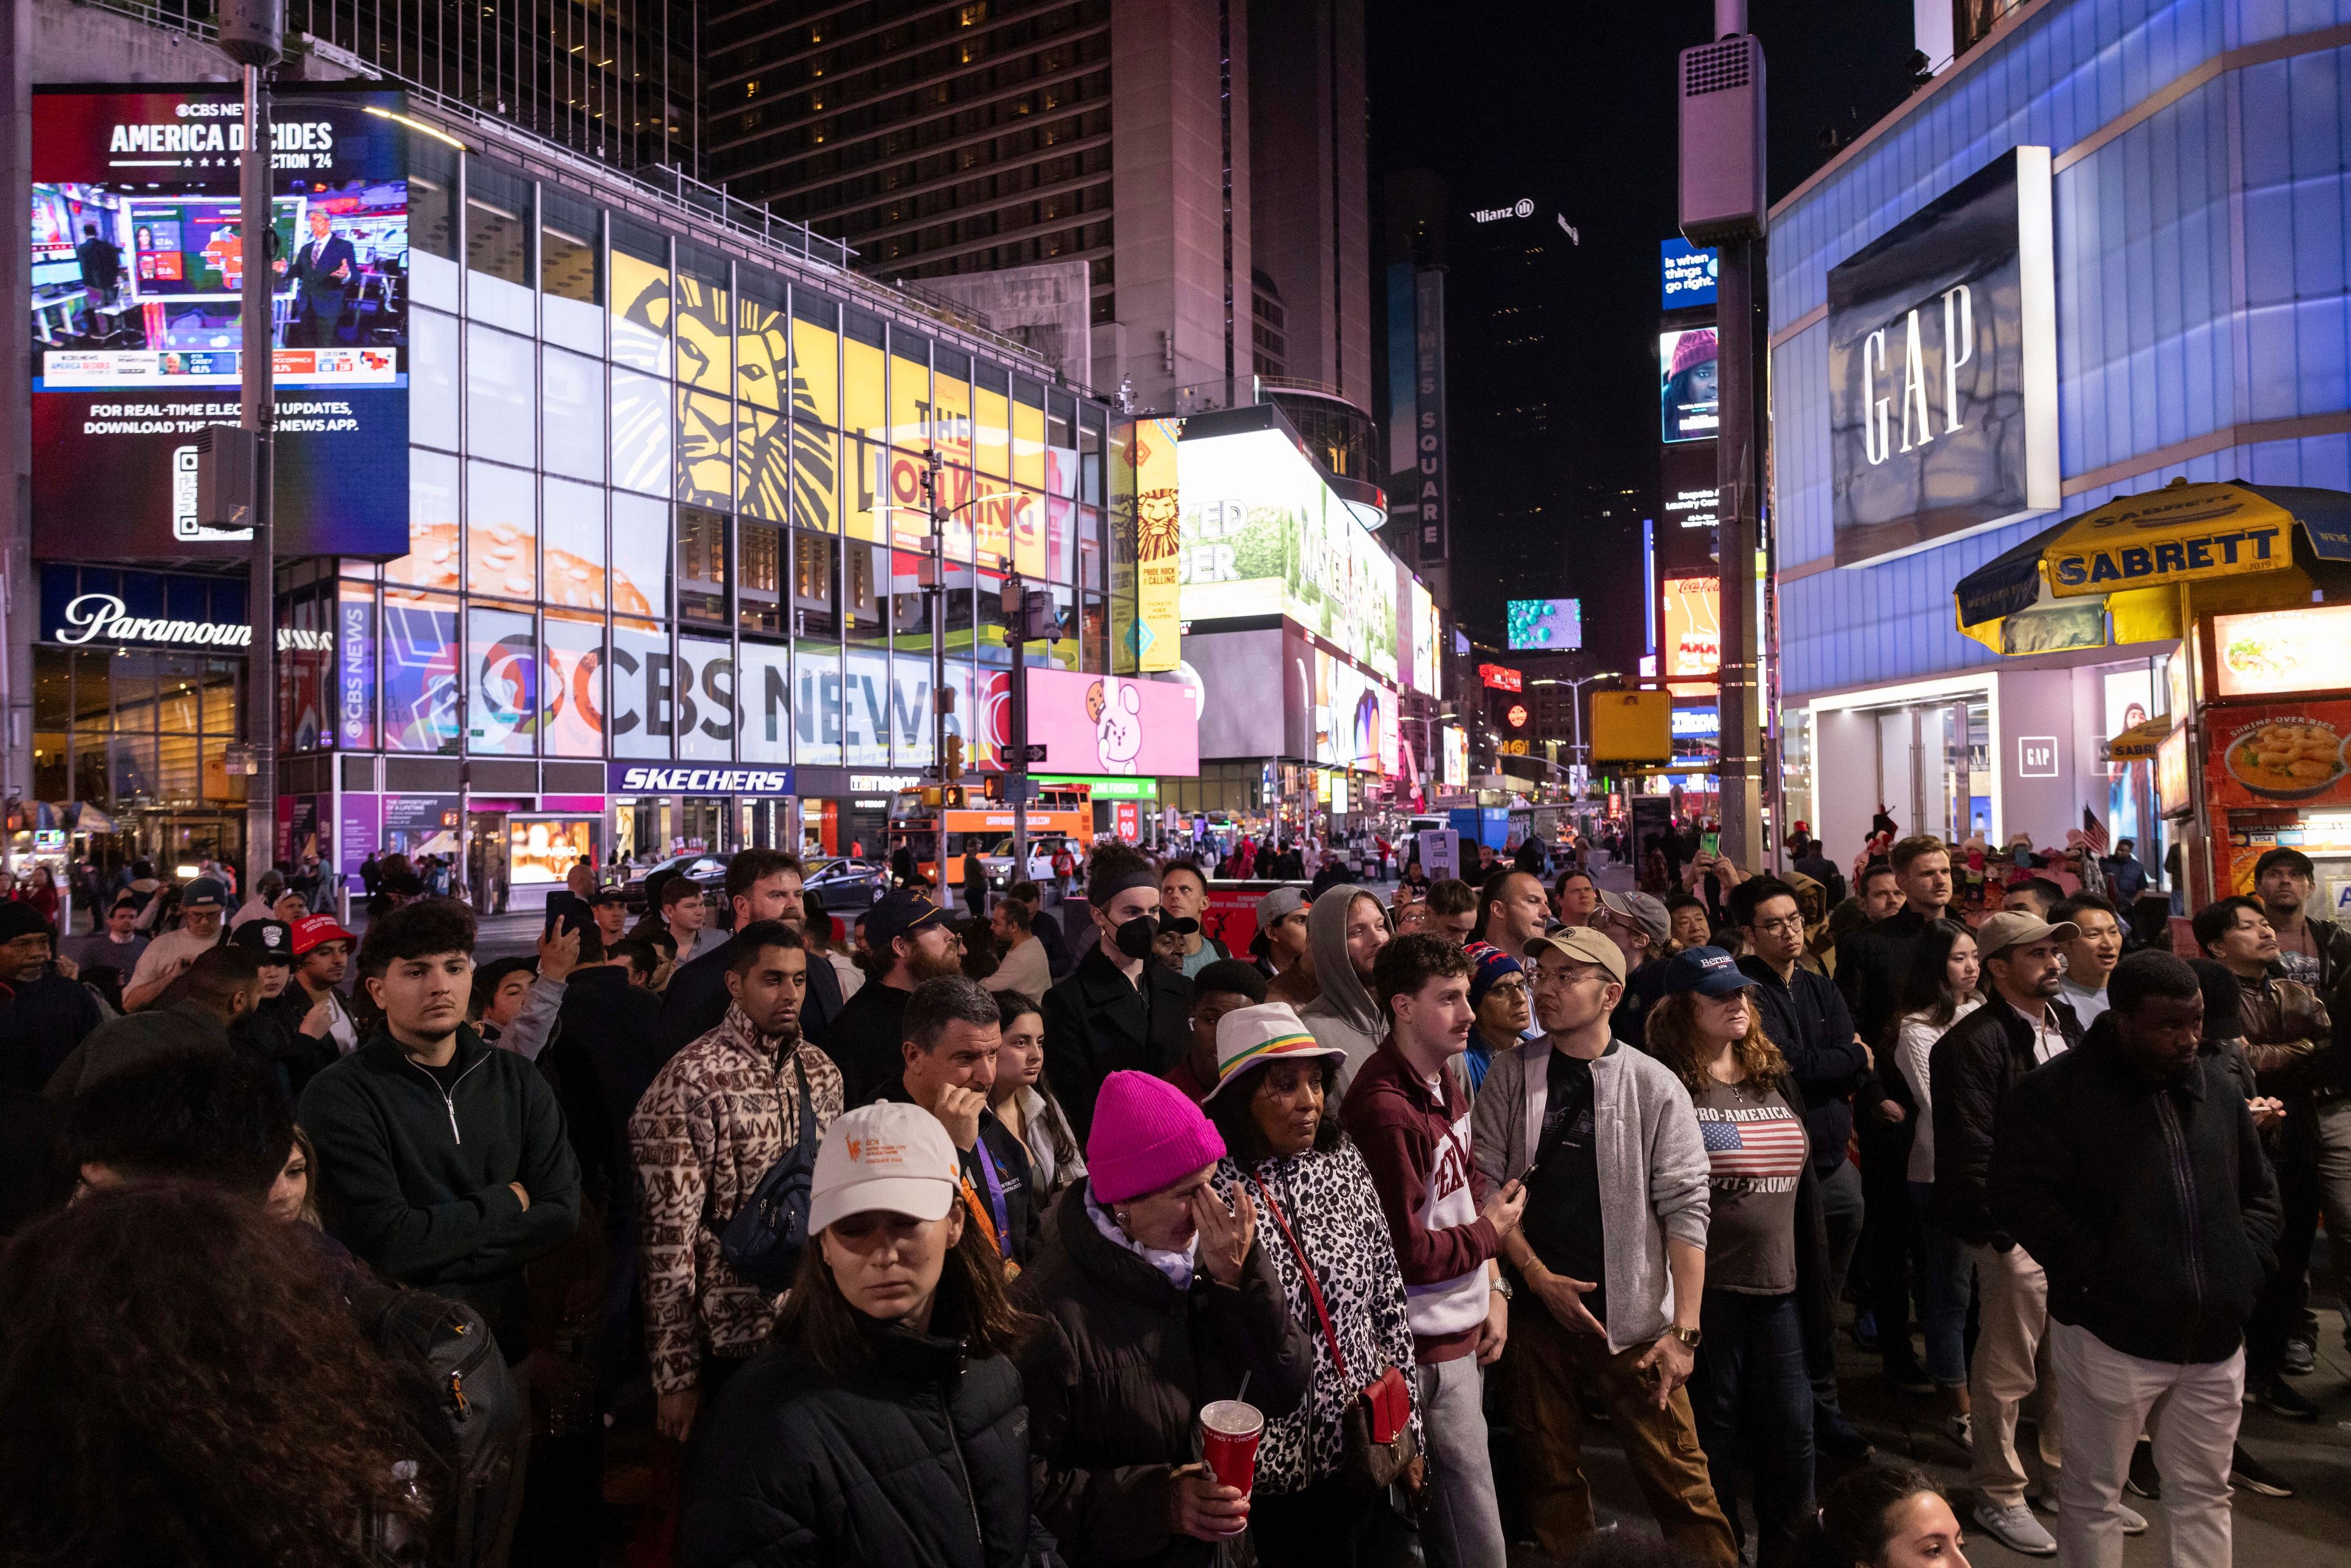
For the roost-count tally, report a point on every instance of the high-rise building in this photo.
(1222, 229)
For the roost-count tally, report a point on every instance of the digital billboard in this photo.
(1456, 766)
(1428, 653)
(137, 265)
(1689, 273)
(1693, 635)
(1687, 398)
(1263, 535)
(1548, 625)
(1942, 365)
(1108, 725)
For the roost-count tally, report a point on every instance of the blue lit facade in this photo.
(2202, 150)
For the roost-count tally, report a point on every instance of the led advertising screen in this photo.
(137, 265)
(1548, 625)
(1693, 638)
(1686, 400)
(1428, 653)
(1263, 535)
(1108, 725)
(1689, 273)
(1456, 772)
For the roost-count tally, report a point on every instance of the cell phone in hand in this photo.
(566, 911)
(1710, 844)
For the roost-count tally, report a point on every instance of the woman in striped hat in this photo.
(1276, 1104)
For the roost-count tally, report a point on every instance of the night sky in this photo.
(1576, 102)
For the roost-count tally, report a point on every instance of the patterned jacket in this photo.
(705, 1132)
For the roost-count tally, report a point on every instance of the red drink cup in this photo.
(1229, 1431)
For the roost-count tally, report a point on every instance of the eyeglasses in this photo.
(1511, 987)
(1786, 926)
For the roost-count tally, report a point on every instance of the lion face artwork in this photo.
(1157, 531)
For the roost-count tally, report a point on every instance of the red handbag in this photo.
(1379, 1441)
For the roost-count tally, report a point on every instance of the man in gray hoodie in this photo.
(1345, 932)
(1612, 1248)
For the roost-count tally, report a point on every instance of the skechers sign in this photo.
(653, 778)
(1943, 368)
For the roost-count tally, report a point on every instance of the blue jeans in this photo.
(1752, 1395)
(1947, 1288)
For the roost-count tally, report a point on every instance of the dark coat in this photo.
(1806, 1019)
(1046, 929)
(1097, 1023)
(41, 1022)
(308, 1057)
(695, 1000)
(600, 1060)
(1117, 1375)
(915, 1457)
(135, 1037)
(2151, 1205)
(416, 1183)
(1969, 1071)
(867, 1039)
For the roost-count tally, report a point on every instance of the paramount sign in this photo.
(101, 617)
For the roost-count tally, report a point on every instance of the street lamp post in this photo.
(1576, 685)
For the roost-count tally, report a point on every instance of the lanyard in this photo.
(999, 1232)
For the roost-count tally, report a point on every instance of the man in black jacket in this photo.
(1872, 965)
(2130, 1167)
(2021, 1026)
(1047, 932)
(1805, 1016)
(761, 885)
(45, 1009)
(1119, 1010)
(953, 1029)
(911, 940)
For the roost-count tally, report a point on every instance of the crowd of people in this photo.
(1078, 1235)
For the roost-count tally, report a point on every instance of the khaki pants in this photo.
(2109, 1398)
(1544, 1362)
(2012, 1359)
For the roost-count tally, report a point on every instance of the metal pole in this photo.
(19, 603)
(1735, 475)
(1016, 592)
(258, 414)
(939, 664)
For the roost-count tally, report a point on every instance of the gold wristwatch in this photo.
(1689, 1337)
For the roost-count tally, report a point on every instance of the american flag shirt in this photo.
(1756, 1145)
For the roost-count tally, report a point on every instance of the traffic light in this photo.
(953, 756)
(992, 787)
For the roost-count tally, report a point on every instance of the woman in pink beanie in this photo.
(1156, 1298)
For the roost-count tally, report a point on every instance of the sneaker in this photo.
(1838, 1439)
(2144, 1480)
(1961, 1429)
(2300, 1358)
(2283, 1398)
(2249, 1473)
(1906, 1376)
(1865, 1328)
(2134, 1522)
(2015, 1528)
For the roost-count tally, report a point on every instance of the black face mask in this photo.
(1134, 938)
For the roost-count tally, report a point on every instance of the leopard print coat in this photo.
(1334, 1212)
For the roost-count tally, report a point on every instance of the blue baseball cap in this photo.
(1708, 971)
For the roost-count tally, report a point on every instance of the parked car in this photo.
(846, 884)
(708, 870)
(998, 861)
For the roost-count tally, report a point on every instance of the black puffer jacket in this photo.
(917, 1457)
(1970, 1068)
(2151, 1205)
(1117, 1375)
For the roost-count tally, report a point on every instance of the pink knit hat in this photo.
(1146, 1134)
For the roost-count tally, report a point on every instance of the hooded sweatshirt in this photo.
(1344, 1016)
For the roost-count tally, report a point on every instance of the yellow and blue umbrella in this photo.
(2128, 558)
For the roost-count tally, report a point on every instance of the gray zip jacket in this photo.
(1653, 1168)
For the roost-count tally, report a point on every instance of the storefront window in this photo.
(501, 544)
(705, 451)
(759, 590)
(503, 705)
(640, 556)
(573, 529)
(573, 693)
(641, 303)
(1060, 452)
(433, 400)
(1090, 452)
(570, 271)
(497, 247)
(705, 700)
(641, 704)
(420, 672)
(500, 378)
(700, 566)
(763, 687)
(817, 716)
(641, 434)
(574, 400)
(816, 587)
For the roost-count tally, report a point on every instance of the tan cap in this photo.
(887, 1155)
(1583, 945)
(2014, 928)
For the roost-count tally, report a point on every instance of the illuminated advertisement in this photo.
(1427, 654)
(137, 265)
(1457, 757)
(1263, 535)
(1687, 398)
(1692, 487)
(1501, 677)
(1546, 625)
(1157, 541)
(1693, 629)
(1111, 725)
(541, 849)
(1687, 273)
(2281, 650)
(1332, 711)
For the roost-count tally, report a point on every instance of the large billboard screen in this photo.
(1942, 365)
(1689, 273)
(137, 265)
(1547, 626)
(1110, 724)
(1693, 638)
(1687, 401)
(1264, 535)
(1428, 653)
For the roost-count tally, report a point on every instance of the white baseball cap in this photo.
(888, 1156)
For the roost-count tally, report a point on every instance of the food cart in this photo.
(2253, 585)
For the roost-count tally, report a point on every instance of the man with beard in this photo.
(911, 940)
(715, 1119)
(761, 885)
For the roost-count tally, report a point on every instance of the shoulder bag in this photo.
(1379, 1441)
(764, 1241)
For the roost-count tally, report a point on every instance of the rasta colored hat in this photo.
(1252, 1036)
